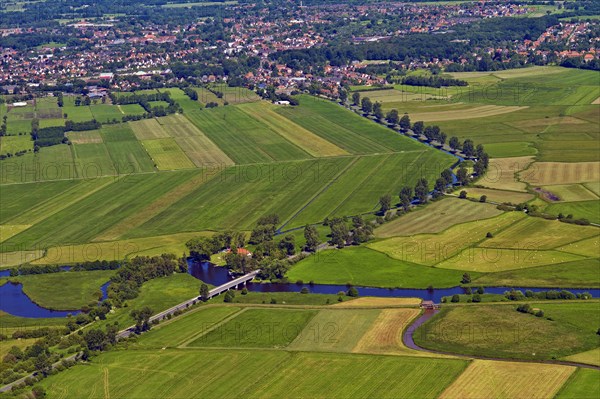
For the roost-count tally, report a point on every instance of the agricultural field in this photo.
(166, 154)
(431, 249)
(84, 219)
(579, 273)
(502, 173)
(516, 242)
(583, 384)
(549, 173)
(335, 330)
(385, 334)
(12, 144)
(571, 192)
(437, 217)
(500, 331)
(486, 379)
(589, 210)
(364, 266)
(498, 196)
(103, 249)
(257, 328)
(256, 374)
(514, 113)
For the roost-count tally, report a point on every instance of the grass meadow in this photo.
(64, 291)
(501, 331)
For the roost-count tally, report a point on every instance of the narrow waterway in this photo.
(216, 275)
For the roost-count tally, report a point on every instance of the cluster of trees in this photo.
(3, 126)
(432, 81)
(126, 282)
(269, 94)
(82, 126)
(27, 269)
(349, 232)
(201, 248)
(97, 265)
(517, 295)
(48, 136)
(191, 93)
(526, 308)
(144, 101)
(421, 46)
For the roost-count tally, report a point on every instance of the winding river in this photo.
(15, 302)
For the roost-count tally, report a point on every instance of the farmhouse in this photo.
(240, 251)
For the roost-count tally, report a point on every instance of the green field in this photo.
(64, 291)
(184, 329)
(589, 210)
(501, 331)
(583, 384)
(257, 328)
(579, 273)
(546, 111)
(335, 330)
(166, 154)
(363, 266)
(51, 163)
(84, 219)
(437, 217)
(256, 374)
(12, 144)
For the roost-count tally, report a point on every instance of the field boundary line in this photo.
(60, 208)
(367, 177)
(214, 327)
(154, 208)
(270, 126)
(321, 191)
(359, 185)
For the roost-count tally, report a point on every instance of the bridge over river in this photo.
(236, 283)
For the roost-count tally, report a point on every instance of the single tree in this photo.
(466, 278)
(385, 202)
(367, 105)
(406, 195)
(142, 318)
(422, 190)
(418, 127)
(454, 143)
(377, 111)
(468, 148)
(447, 176)
(393, 117)
(440, 185)
(405, 122)
(343, 96)
(462, 175)
(356, 98)
(312, 238)
(204, 292)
